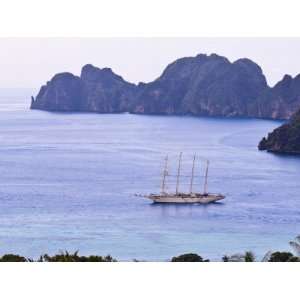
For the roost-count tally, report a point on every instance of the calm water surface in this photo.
(68, 182)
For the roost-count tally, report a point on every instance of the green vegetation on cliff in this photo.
(284, 139)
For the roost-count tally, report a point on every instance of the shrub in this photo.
(12, 258)
(68, 257)
(225, 258)
(283, 257)
(249, 256)
(188, 257)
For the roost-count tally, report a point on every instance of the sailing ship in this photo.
(179, 197)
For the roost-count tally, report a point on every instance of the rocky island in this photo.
(204, 85)
(284, 139)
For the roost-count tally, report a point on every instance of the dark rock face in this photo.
(105, 92)
(281, 101)
(96, 90)
(202, 85)
(284, 139)
(62, 93)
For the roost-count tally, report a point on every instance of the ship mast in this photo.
(165, 173)
(206, 175)
(192, 178)
(178, 173)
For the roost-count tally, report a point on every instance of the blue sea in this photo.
(68, 182)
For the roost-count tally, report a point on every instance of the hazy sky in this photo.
(30, 62)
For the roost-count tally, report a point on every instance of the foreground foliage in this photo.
(187, 257)
(248, 256)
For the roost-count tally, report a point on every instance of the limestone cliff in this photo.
(204, 85)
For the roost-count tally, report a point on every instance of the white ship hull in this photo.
(186, 198)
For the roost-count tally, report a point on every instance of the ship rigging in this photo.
(179, 197)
